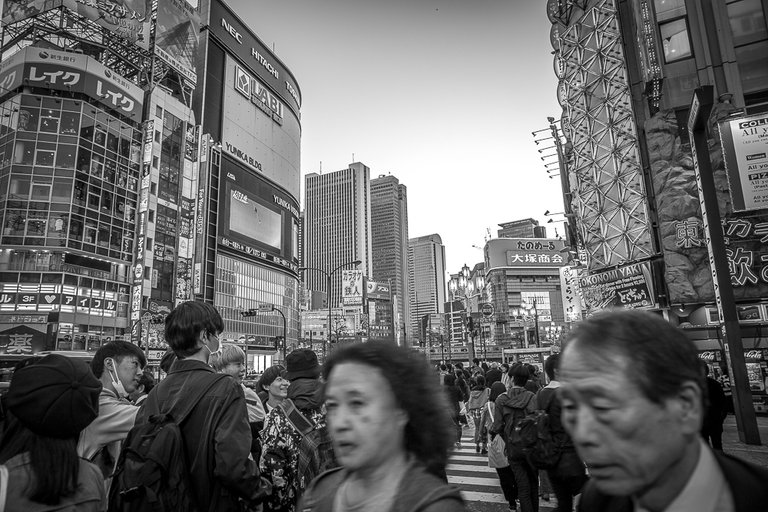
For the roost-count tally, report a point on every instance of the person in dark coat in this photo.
(492, 375)
(453, 395)
(217, 437)
(633, 392)
(716, 412)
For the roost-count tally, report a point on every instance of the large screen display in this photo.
(257, 218)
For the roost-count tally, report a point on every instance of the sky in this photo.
(442, 94)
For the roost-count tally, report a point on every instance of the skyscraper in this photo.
(389, 232)
(426, 255)
(338, 225)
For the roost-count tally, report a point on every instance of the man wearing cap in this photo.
(118, 365)
(282, 454)
(217, 437)
(50, 401)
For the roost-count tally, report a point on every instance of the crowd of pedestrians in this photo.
(626, 411)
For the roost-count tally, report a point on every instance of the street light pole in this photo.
(328, 293)
(536, 322)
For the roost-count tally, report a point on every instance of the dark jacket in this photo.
(419, 491)
(491, 376)
(748, 484)
(549, 402)
(509, 408)
(717, 408)
(216, 434)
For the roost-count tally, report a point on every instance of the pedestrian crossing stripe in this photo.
(478, 482)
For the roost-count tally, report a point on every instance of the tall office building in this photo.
(524, 228)
(426, 255)
(389, 233)
(338, 226)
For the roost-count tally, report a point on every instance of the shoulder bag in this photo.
(496, 456)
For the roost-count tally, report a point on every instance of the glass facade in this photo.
(68, 180)
(241, 285)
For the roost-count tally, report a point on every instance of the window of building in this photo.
(750, 38)
(675, 40)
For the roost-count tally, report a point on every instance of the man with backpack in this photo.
(511, 408)
(296, 443)
(567, 475)
(190, 447)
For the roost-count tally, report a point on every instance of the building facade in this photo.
(427, 267)
(389, 235)
(524, 228)
(338, 227)
(247, 194)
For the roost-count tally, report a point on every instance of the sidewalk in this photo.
(751, 453)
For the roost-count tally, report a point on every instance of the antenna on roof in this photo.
(321, 167)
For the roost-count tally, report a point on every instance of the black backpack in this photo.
(152, 472)
(512, 434)
(534, 438)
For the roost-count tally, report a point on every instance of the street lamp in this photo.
(465, 284)
(328, 292)
(532, 307)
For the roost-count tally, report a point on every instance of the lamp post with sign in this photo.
(466, 285)
(329, 275)
(487, 310)
(269, 308)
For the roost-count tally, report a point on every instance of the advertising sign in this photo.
(629, 287)
(352, 287)
(256, 217)
(258, 130)
(525, 253)
(569, 287)
(73, 72)
(128, 19)
(178, 29)
(236, 36)
(377, 291)
(745, 149)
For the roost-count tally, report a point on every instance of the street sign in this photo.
(487, 310)
(265, 307)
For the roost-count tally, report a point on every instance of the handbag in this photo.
(496, 456)
(3, 486)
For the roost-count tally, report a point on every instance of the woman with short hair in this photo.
(273, 387)
(390, 429)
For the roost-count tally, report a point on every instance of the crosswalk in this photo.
(479, 483)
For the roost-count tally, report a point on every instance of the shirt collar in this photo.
(553, 384)
(706, 490)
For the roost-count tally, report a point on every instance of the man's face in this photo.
(630, 444)
(129, 371)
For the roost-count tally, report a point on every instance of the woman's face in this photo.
(278, 390)
(365, 422)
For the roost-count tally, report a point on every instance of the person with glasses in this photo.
(217, 437)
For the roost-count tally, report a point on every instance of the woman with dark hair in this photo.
(453, 394)
(273, 387)
(478, 396)
(499, 461)
(389, 424)
(49, 403)
(510, 408)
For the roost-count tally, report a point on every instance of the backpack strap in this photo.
(296, 418)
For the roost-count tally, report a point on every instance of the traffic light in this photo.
(470, 324)
(250, 312)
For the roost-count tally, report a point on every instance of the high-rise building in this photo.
(389, 240)
(426, 264)
(524, 228)
(338, 226)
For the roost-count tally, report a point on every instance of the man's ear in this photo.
(689, 405)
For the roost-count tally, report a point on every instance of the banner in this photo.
(745, 149)
(569, 286)
(352, 287)
(377, 291)
(177, 39)
(129, 19)
(628, 287)
(72, 72)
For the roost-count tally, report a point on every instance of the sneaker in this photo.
(477, 448)
(484, 451)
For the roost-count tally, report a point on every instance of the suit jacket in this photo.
(748, 484)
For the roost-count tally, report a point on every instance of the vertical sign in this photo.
(746, 422)
(137, 290)
(569, 286)
(745, 151)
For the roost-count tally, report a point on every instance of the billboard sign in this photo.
(254, 54)
(256, 218)
(525, 253)
(129, 19)
(377, 291)
(177, 39)
(745, 149)
(628, 287)
(569, 287)
(73, 72)
(352, 288)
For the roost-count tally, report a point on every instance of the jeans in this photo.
(527, 481)
(508, 487)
